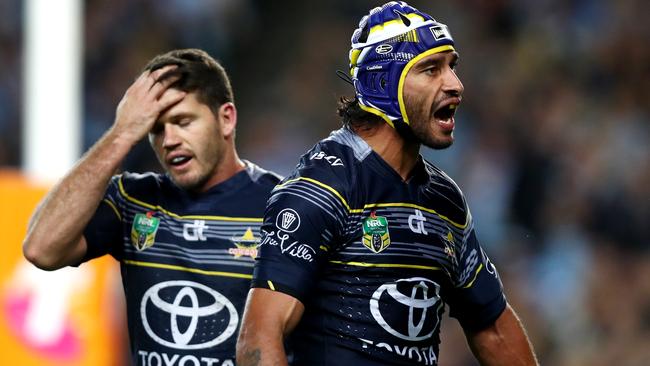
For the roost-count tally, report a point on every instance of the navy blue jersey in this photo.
(374, 259)
(186, 261)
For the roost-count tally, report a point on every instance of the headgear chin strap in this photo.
(388, 42)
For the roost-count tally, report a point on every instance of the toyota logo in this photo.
(186, 306)
(424, 295)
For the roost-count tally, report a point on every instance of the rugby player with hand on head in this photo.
(186, 239)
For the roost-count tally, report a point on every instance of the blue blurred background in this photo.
(553, 137)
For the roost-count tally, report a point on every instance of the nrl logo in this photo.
(375, 233)
(246, 245)
(143, 230)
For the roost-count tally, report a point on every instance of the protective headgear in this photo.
(388, 42)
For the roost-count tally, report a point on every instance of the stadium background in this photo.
(552, 151)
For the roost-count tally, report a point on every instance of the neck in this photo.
(400, 154)
(229, 165)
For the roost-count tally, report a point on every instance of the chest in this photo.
(192, 241)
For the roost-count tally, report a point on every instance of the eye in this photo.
(184, 122)
(431, 70)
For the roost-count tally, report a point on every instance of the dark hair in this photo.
(353, 116)
(199, 73)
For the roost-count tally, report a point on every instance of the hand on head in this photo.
(144, 101)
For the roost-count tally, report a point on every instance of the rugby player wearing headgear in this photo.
(365, 243)
(185, 240)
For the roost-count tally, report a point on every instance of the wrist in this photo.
(123, 138)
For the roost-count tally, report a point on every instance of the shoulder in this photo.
(326, 175)
(139, 185)
(448, 195)
(260, 176)
(135, 182)
(333, 161)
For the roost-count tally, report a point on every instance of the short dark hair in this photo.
(353, 117)
(199, 73)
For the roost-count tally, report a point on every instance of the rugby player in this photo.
(365, 242)
(186, 239)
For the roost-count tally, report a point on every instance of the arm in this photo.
(503, 343)
(55, 233)
(269, 317)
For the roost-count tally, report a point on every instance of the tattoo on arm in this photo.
(251, 358)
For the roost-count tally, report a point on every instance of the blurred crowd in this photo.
(553, 136)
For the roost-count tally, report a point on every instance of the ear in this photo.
(228, 118)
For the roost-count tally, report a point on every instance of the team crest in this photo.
(143, 230)
(449, 245)
(246, 245)
(375, 233)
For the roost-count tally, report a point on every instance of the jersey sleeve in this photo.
(103, 233)
(302, 219)
(477, 298)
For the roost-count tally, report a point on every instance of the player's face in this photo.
(189, 143)
(432, 92)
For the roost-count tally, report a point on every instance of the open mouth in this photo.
(444, 116)
(178, 160)
(446, 112)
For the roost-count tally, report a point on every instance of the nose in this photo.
(452, 84)
(170, 136)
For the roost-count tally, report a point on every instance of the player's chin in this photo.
(186, 181)
(439, 141)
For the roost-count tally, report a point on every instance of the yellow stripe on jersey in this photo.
(372, 205)
(412, 205)
(117, 212)
(321, 184)
(187, 269)
(475, 275)
(188, 217)
(387, 265)
(268, 282)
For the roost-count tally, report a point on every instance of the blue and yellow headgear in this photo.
(388, 42)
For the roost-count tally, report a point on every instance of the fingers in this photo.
(144, 101)
(161, 85)
(169, 98)
(148, 79)
(156, 74)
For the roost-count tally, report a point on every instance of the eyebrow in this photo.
(435, 59)
(180, 115)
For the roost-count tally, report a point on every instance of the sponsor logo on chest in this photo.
(416, 223)
(195, 316)
(194, 231)
(246, 245)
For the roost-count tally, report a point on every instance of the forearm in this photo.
(58, 223)
(258, 348)
(54, 238)
(269, 317)
(503, 343)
